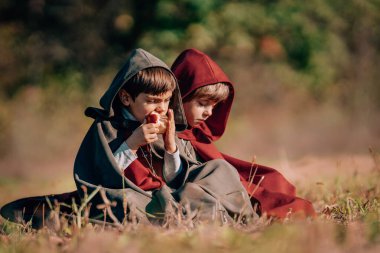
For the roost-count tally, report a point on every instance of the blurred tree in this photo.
(322, 42)
(58, 37)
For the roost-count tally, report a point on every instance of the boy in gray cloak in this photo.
(140, 165)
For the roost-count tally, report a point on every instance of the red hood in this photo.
(195, 69)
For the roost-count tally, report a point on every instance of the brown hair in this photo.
(215, 92)
(154, 81)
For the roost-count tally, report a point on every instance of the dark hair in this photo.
(154, 81)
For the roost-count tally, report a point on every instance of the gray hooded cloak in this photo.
(202, 191)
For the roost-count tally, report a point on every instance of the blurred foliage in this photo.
(324, 40)
(319, 48)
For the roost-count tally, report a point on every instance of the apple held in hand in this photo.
(153, 117)
(161, 120)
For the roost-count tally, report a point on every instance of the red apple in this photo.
(153, 117)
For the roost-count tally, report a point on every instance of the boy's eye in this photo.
(157, 101)
(201, 103)
(204, 103)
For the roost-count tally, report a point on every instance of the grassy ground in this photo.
(344, 188)
(349, 221)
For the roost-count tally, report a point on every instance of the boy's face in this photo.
(145, 103)
(198, 110)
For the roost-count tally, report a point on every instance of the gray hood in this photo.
(138, 60)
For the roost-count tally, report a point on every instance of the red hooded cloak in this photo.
(276, 195)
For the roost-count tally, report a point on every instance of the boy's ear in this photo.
(124, 97)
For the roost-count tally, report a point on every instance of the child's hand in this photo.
(169, 135)
(161, 120)
(144, 134)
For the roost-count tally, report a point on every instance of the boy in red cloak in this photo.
(207, 95)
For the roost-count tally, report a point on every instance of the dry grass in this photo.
(347, 199)
(348, 221)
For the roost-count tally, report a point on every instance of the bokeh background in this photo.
(306, 75)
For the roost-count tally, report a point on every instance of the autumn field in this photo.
(307, 103)
(348, 220)
(341, 181)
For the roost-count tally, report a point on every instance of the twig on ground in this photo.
(107, 208)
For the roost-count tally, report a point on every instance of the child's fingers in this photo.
(151, 138)
(150, 133)
(164, 117)
(170, 115)
(169, 137)
(171, 124)
(151, 128)
(164, 121)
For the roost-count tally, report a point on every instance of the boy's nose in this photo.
(208, 111)
(161, 107)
